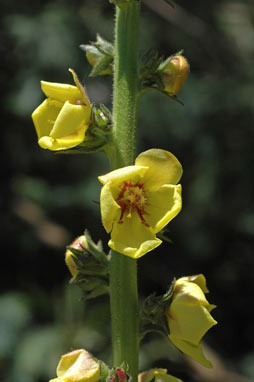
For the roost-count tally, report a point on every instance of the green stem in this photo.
(123, 270)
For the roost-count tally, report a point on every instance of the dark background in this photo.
(47, 199)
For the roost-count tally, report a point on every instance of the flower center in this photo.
(132, 198)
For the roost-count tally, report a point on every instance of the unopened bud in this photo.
(80, 244)
(174, 74)
(121, 375)
(77, 366)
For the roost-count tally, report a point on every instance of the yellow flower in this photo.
(138, 201)
(62, 119)
(157, 375)
(80, 243)
(175, 74)
(189, 316)
(77, 366)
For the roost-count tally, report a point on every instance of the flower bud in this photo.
(157, 375)
(77, 366)
(121, 375)
(80, 244)
(189, 317)
(100, 55)
(174, 73)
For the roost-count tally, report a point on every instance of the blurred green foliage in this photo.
(47, 200)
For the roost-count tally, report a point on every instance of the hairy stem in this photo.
(123, 272)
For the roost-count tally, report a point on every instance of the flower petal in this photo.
(61, 92)
(163, 205)
(132, 238)
(200, 280)
(78, 366)
(64, 143)
(164, 168)
(110, 210)
(43, 116)
(70, 118)
(186, 292)
(189, 322)
(133, 173)
(194, 351)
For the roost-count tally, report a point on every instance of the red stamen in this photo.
(129, 198)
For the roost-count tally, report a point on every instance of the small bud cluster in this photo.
(100, 55)
(88, 265)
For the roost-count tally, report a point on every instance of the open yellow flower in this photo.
(138, 201)
(62, 120)
(77, 366)
(157, 375)
(189, 316)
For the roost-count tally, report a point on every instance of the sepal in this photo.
(153, 317)
(121, 3)
(119, 374)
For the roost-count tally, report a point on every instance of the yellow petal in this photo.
(132, 238)
(164, 168)
(70, 118)
(78, 366)
(64, 143)
(189, 322)
(110, 210)
(157, 375)
(196, 352)
(44, 116)
(200, 280)
(186, 292)
(163, 205)
(61, 92)
(124, 174)
(81, 88)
